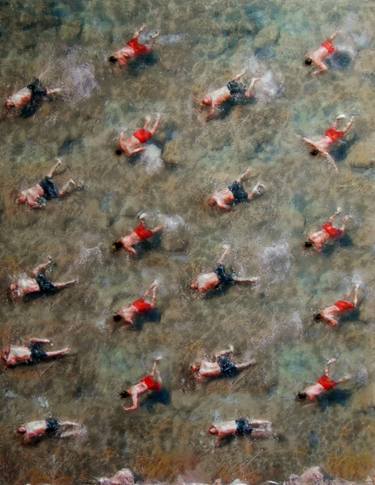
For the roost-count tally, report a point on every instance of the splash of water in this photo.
(276, 261)
(270, 84)
(78, 78)
(90, 254)
(151, 159)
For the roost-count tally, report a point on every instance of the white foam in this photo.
(276, 260)
(151, 159)
(269, 85)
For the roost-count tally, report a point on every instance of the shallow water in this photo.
(202, 46)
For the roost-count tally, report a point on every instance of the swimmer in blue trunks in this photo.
(255, 428)
(35, 430)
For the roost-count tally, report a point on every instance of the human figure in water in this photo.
(51, 427)
(140, 307)
(332, 314)
(136, 143)
(317, 57)
(255, 428)
(327, 233)
(32, 353)
(139, 234)
(226, 199)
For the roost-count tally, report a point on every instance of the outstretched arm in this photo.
(224, 254)
(239, 75)
(41, 268)
(244, 176)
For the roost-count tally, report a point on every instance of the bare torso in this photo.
(331, 315)
(130, 145)
(219, 96)
(33, 194)
(24, 286)
(319, 239)
(20, 99)
(314, 391)
(16, 354)
(206, 281)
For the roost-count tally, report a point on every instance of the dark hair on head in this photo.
(124, 394)
(317, 317)
(301, 396)
(116, 246)
(112, 59)
(118, 151)
(117, 318)
(307, 244)
(308, 61)
(314, 152)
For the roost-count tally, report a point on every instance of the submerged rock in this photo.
(362, 154)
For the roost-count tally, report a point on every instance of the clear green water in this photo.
(69, 41)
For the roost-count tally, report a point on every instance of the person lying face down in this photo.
(317, 57)
(129, 313)
(331, 137)
(33, 353)
(235, 193)
(51, 427)
(324, 384)
(150, 383)
(37, 283)
(233, 91)
(255, 428)
(219, 278)
(139, 234)
(31, 96)
(223, 365)
(136, 143)
(331, 314)
(327, 233)
(133, 49)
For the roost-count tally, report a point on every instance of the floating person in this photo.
(326, 50)
(327, 233)
(234, 91)
(51, 427)
(33, 353)
(256, 428)
(37, 284)
(140, 307)
(140, 234)
(220, 277)
(134, 48)
(331, 315)
(223, 365)
(150, 383)
(324, 384)
(36, 197)
(235, 193)
(330, 138)
(136, 143)
(27, 100)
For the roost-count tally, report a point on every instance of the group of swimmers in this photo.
(26, 101)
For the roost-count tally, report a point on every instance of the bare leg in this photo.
(58, 353)
(52, 172)
(41, 268)
(147, 123)
(355, 296)
(155, 371)
(257, 191)
(68, 187)
(224, 352)
(65, 284)
(156, 124)
(344, 379)
(246, 281)
(224, 254)
(250, 90)
(53, 91)
(333, 216)
(244, 176)
(333, 36)
(239, 75)
(245, 365)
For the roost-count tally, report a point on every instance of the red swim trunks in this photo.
(344, 306)
(142, 232)
(328, 45)
(333, 232)
(327, 383)
(143, 135)
(334, 134)
(142, 306)
(139, 49)
(151, 384)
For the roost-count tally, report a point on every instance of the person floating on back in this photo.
(223, 365)
(129, 313)
(133, 49)
(140, 234)
(33, 353)
(331, 136)
(220, 277)
(136, 143)
(36, 197)
(234, 91)
(235, 193)
(150, 383)
(36, 285)
(51, 427)
(325, 51)
(327, 233)
(324, 384)
(331, 315)
(254, 428)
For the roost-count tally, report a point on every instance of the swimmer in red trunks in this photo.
(327, 233)
(142, 306)
(135, 144)
(32, 353)
(254, 428)
(33, 94)
(37, 285)
(324, 384)
(233, 91)
(36, 197)
(35, 430)
(149, 383)
(326, 50)
(235, 193)
(133, 48)
(220, 277)
(223, 365)
(139, 234)
(332, 314)
(331, 137)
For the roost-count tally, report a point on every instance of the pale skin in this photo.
(217, 98)
(129, 313)
(315, 390)
(319, 56)
(139, 389)
(127, 53)
(32, 196)
(206, 369)
(319, 238)
(21, 354)
(325, 143)
(37, 429)
(28, 284)
(128, 242)
(331, 315)
(131, 145)
(224, 198)
(225, 429)
(22, 98)
(206, 282)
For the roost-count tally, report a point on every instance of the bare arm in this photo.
(334, 35)
(152, 290)
(321, 68)
(349, 126)
(135, 404)
(250, 90)
(239, 75)
(244, 176)
(138, 32)
(333, 216)
(41, 268)
(224, 254)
